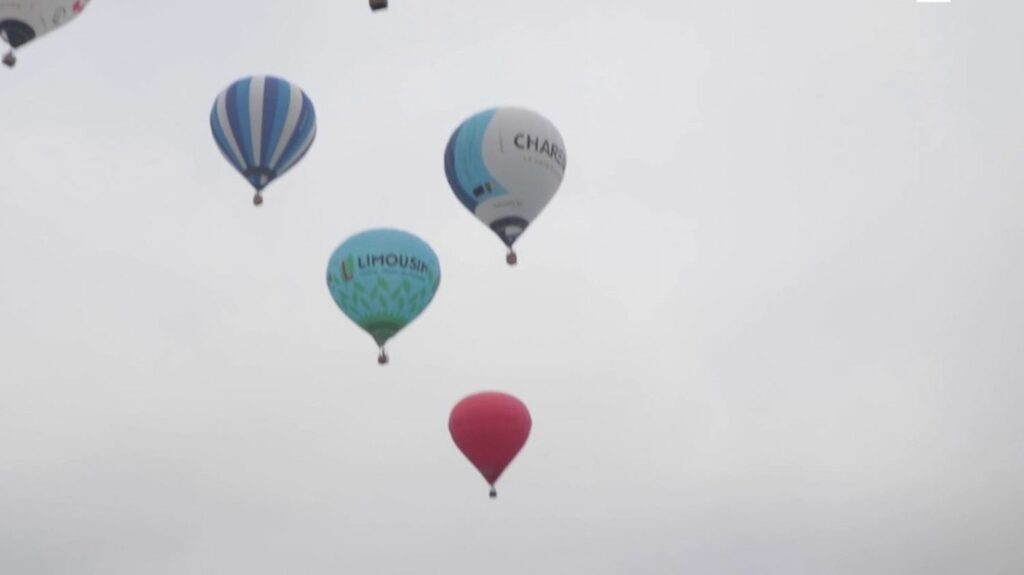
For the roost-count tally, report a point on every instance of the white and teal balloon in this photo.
(505, 165)
(382, 279)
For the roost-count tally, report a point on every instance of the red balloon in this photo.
(490, 428)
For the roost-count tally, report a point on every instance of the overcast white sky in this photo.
(771, 323)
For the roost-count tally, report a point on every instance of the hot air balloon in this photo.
(490, 428)
(263, 126)
(21, 21)
(383, 279)
(378, 4)
(504, 165)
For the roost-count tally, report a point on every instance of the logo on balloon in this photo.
(392, 260)
(483, 189)
(373, 262)
(346, 270)
(530, 143)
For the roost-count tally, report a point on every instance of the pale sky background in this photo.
(771, 323)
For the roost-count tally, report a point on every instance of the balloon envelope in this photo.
(383, 279)
(504, 165)
(263, 126)
(490, 428)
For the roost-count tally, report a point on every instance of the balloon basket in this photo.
(9, 58)
(511, 259)
(257, 200)
(494, 493)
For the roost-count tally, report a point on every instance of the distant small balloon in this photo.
(382, 280)
(263, 126)
(505, 165)
(490, 429)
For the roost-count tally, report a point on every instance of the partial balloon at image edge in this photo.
(16, 30)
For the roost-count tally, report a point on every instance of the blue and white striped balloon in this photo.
(263, 126)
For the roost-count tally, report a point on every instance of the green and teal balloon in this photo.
(382, 279)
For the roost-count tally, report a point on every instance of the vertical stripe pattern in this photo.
(263, 126)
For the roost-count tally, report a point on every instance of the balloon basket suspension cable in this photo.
(9, 59)
(382, 358)
(494, 493)
(511, 259)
